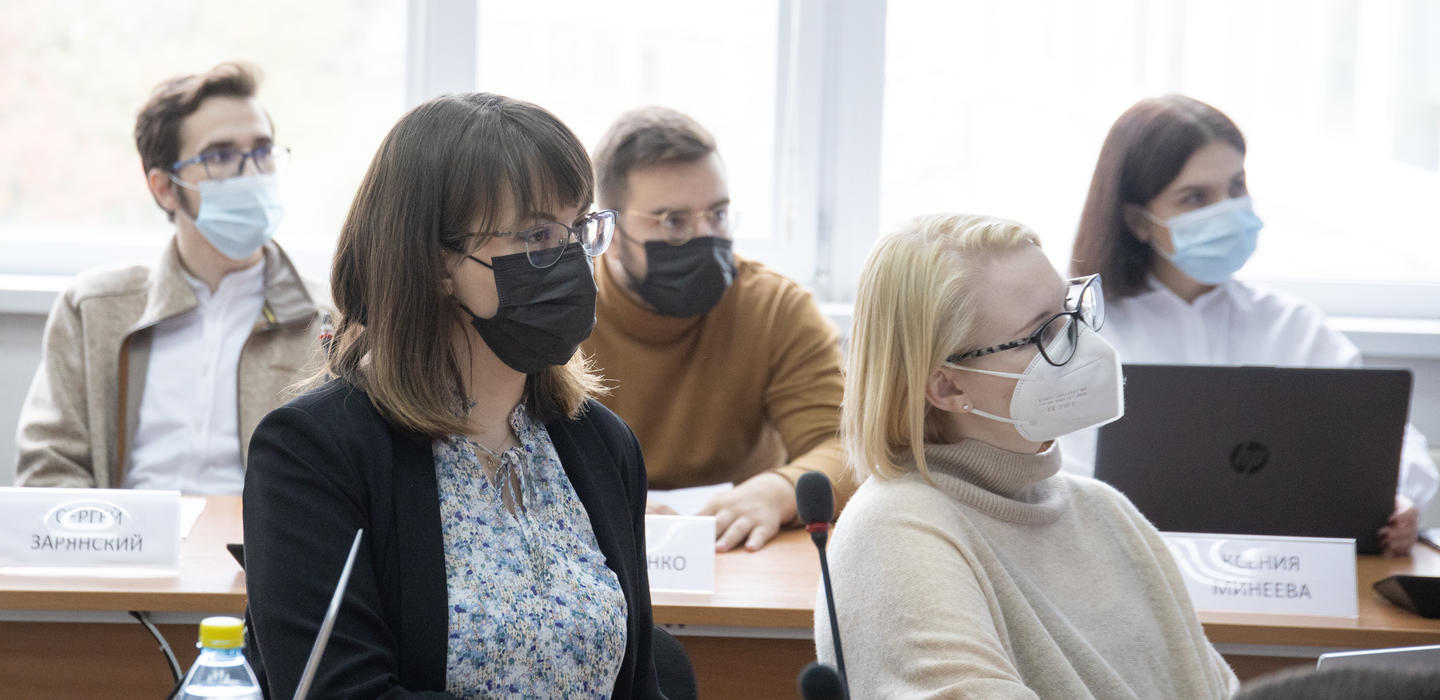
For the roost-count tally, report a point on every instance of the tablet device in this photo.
(237, 551)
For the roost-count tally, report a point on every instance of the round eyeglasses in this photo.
(680, 225)
(544, 244)
(225, 163)
(1056, 338)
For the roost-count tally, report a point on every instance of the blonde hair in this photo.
(916, 305)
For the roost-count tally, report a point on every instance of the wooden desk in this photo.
(751, 638)
(72, 637)
(1255, 645)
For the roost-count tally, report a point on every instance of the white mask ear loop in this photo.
(1150, 242)
(182, 183)
(993, 373)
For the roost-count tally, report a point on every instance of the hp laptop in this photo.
(1259, 450)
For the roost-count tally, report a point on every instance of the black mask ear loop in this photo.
(463, 307)
(631, 280)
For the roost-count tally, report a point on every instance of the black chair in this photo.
(672, 667)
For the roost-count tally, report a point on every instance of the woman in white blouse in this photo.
(1168, 222)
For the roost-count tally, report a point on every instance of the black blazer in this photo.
(326, 464)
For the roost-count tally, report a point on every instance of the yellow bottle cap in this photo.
(222, 633)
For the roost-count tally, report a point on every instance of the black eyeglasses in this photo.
(225, 163)
(545, 243)
(1084, 303)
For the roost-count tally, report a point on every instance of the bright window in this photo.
(589, 61)
(73, 76)
(1001, 108)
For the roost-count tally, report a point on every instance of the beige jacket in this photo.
(80, 415)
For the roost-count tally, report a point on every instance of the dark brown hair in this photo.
(157, 126)
(642, 137)
(446, 163)
(1145, 150)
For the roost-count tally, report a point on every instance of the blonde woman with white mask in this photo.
(968, 564)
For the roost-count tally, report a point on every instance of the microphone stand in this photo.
(819, 533)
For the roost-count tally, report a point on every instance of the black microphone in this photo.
(820, 682)
(815, 503)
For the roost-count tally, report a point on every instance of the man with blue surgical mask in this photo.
(154, 376)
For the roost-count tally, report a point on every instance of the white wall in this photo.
(19, 355)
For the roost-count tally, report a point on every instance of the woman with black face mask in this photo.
(502, 507)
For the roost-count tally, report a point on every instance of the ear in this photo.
(447, 286)
(1141, 227)
(944, 393)
(163, 190)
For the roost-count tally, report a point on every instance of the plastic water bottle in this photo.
(221, 671)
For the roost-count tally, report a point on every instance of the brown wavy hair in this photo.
(1144, 152)
(446, 163)
(157, 125)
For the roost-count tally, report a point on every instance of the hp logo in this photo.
(1249, 457)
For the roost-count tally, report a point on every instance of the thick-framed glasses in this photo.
(1056, 338)
(544, 244)
(225, 163)
(681, 225)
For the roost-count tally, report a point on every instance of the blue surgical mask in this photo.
(239, 214)
(1212, 243)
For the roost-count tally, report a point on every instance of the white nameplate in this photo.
(681, 552)
(92, 528)
(687, 501)
(1274, 575)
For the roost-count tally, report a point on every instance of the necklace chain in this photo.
(493, 454)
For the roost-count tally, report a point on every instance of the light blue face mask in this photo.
(1214, 242)
(238, 214)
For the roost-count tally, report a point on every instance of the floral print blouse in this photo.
(534, 610)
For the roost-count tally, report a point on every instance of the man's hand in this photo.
(752, 512)
(1398, 535)
(653, 508)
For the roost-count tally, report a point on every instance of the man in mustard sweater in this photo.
(725, 369)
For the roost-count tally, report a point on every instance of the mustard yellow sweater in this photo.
(750, 386)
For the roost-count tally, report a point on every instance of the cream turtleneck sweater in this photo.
(1008, 579)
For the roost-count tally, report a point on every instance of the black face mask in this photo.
(545, 313)
(689, 279)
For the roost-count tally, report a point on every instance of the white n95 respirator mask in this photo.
(1051, 401)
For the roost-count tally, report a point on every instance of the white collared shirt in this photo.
(1236, 324)
(188, 435)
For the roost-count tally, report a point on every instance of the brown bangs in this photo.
(446, 163)
(517, 151)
